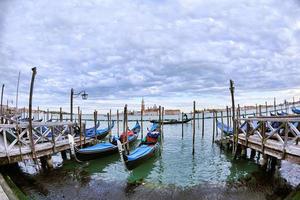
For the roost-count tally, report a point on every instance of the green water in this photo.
(175, 165)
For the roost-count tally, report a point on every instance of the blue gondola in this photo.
(105, 148)
(225, 129)
(282, 113)
(100, 133)
(144, 151)
(296, 110)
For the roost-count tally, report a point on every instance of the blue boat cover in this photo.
(226, 129)
(91, 132)
(97, 147)
(140, 152)
(296, 110)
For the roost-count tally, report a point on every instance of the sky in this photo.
(169, 52)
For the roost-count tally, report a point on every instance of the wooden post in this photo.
(198, 120)
(2, 100)
(275, 105)
(217, 130)
(162, 124)
(256, 110)
(159, 118)
(118, 128)
(222, 121)
(266, 108)
(233, 117)
(245, 112)
(126, 129)
(108, 125)
(142, 112)
(71, 105)
(84, 135)
(260, 111)
(78, 112)
(194, 130)
(47, 114)
(38, 112)
(293, 101)
(214, 127)
(30, 114)
(230, 117)
(227, 115)
(95, 124)
(60, 114)
(203, 123)
(182, 125)
(80, 129)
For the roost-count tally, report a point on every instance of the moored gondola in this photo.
(107, 148)
(100, 133)
(146, 149)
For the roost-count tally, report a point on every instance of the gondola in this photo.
(100, 133)
(107, 148)
(282, 113)
(93, 128)
(146, 149)
(171, 121)
(296, 110)
(225, 129)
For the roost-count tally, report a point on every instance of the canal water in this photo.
(173, 174)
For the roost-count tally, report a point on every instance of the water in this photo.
(174, 173)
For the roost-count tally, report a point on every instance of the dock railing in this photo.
(47, 138)
(276, 136)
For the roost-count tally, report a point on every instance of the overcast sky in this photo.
(169, 52)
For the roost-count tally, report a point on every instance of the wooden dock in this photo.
(276, 137)
(47, 138)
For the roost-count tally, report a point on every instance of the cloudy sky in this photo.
(170, 52)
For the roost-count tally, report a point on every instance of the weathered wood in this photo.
(275, 104)
(266, 104)
(118, 127)
(95, 124)
(216, 119)
(162, 119)
(203, 123)
(80, 129)
(233, 117)
(182, 125)
(214, 126)
(30, 113)
(60, 114)
(194, 129)
(222, 121)
(142, 112)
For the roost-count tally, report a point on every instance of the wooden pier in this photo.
(47, 138)
(275, 137)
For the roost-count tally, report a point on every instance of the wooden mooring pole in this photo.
(214, 126)
(182, 125)
(95, 124)
(30, 115)
(194, 129)
(203, 123)
(217, 130)
(266, 103)
(235, 139)
(118, 127)
(275, 105)
(142, 112)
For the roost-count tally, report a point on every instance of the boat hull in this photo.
(134, 163)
